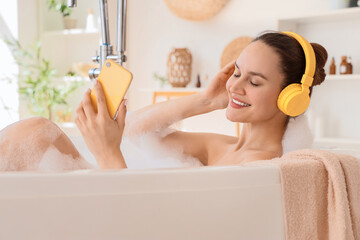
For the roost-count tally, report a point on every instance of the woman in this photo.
(248, 88)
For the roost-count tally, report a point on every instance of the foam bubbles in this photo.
(54, 160)
(140, 122)
(297, 135)
(148, 151)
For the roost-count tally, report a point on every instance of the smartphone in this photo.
(115, 81)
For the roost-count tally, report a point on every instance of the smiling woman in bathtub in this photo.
(248, 88)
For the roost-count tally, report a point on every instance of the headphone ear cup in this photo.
(292, 100)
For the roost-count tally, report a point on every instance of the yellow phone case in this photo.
(115, 81)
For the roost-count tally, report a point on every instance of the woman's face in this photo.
(254, 87)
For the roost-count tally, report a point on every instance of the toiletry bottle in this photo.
(90, 21)
(343, 65)
(333, 67)
(198, 83)
(349, 66)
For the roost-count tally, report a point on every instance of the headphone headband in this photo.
(310, 60)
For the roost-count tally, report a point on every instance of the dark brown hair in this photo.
(292, 58)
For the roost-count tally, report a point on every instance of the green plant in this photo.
(60, 6)
(35, 81)
(162, 79)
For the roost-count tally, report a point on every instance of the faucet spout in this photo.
(71, 3)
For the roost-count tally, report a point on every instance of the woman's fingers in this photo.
(87, 106)
(225, 73)
(101, 100)
(80, 116)
(229, 68)
(122, 113)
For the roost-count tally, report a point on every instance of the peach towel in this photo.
(321, 195)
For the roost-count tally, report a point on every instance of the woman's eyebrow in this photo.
(253, 73)
(236, 65)
(258, 74)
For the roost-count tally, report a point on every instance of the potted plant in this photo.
(61, 6)
(36, 84)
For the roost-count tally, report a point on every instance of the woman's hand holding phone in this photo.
(101, 133)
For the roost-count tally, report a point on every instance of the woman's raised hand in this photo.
(216, 92)
(102, 134)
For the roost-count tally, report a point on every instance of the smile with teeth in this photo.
(240, 103)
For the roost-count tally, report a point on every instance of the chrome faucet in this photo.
(106, 51)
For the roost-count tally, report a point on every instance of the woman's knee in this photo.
(23, 143)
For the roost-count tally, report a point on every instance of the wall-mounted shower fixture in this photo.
(106, 51)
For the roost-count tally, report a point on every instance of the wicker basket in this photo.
(179, 67)
(195, 10)
(233, 50)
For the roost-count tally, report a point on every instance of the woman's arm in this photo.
(162, 115)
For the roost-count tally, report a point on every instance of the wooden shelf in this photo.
(337, 77)
(333, 15)
(71, 32)
(346, 14)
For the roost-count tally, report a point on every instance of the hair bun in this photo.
(321, 58)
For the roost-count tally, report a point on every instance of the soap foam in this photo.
(148, 151)
(297, 135)
(54, 160)
(137, 125)
(144, 148)
(140, 150)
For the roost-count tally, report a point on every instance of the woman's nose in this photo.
(238, 86)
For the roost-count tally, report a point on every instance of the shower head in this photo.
(71, 3)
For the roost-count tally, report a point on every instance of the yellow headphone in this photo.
(295, 99)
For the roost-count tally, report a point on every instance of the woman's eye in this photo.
(254, 84)
(236, 75)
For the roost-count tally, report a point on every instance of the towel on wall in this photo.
(321, 194)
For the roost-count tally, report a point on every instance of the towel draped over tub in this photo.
(321, 194)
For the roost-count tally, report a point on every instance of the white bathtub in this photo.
(198, 203)
(237, 202)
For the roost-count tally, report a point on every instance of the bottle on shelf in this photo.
(198, 83)
(332, 67)
(349, 66)
(90, 21)
(343, 65)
